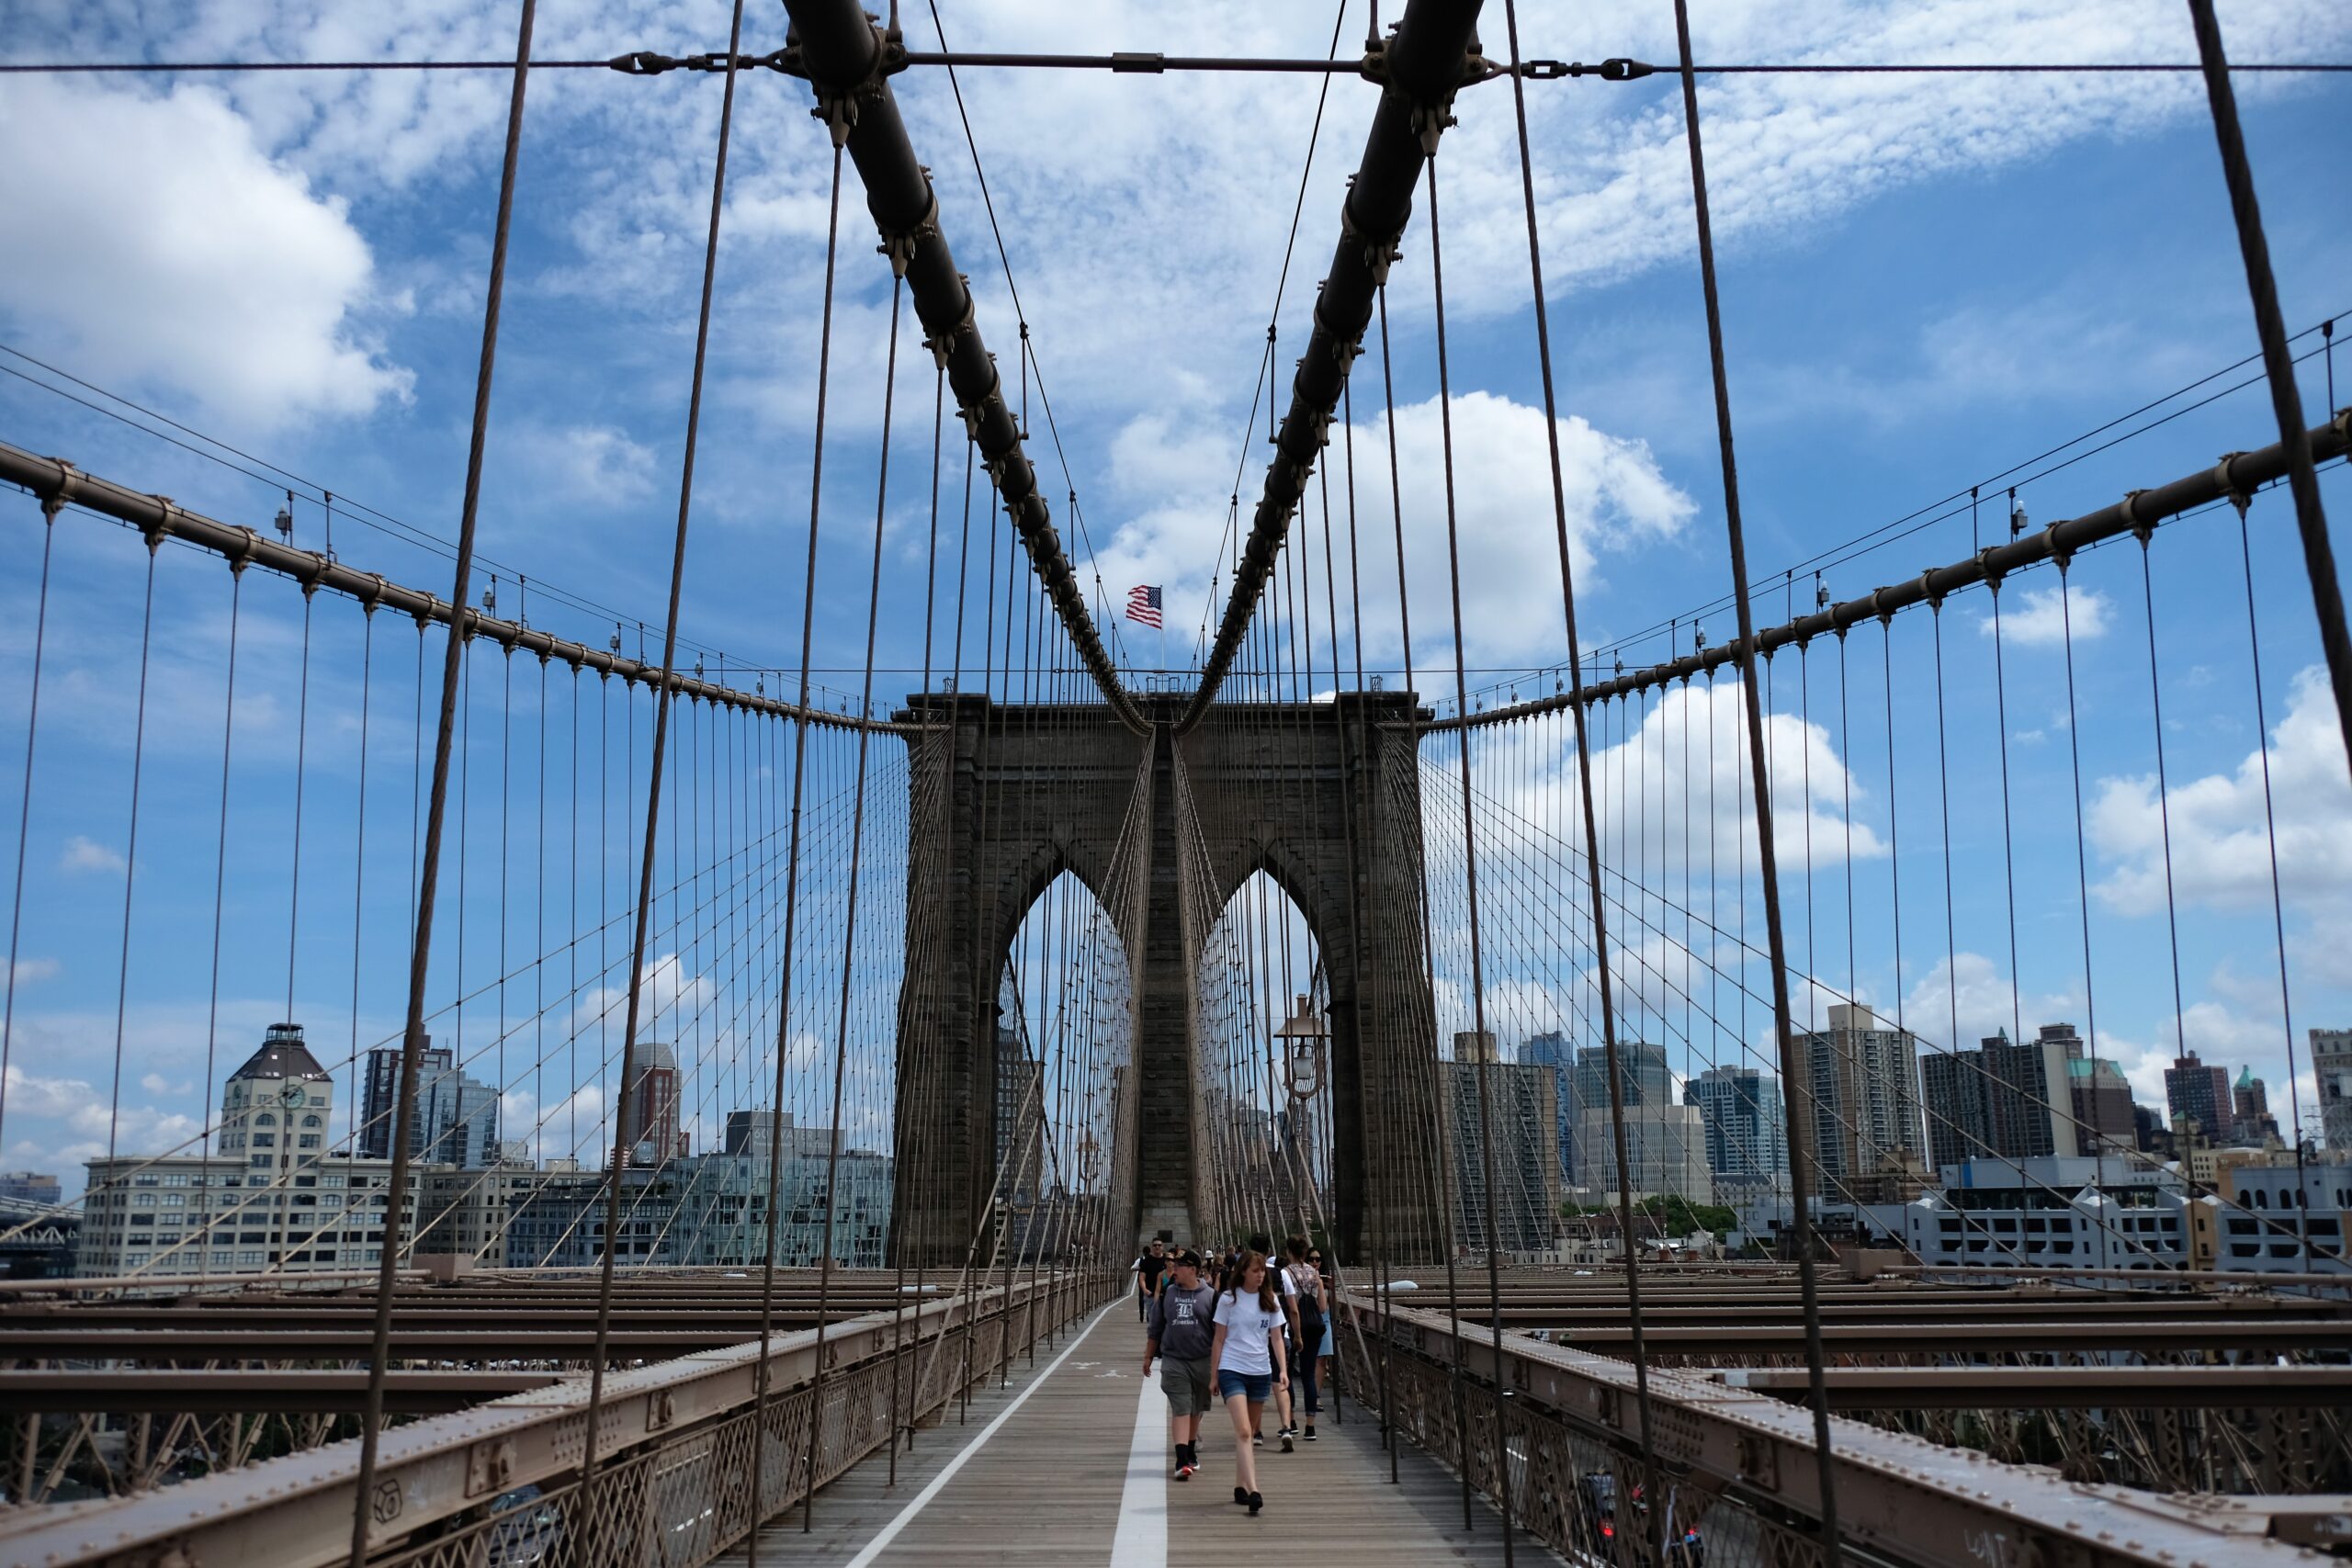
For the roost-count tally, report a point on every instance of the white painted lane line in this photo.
(890, 1532)
(1142, 1541)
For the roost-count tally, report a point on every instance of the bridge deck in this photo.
(1069, 1465)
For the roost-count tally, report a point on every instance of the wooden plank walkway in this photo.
(1069, 1465)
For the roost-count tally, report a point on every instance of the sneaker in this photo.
(1257, 1439)
(1309, 1433)
(1286, 1435)
(1185, 1469)
(1256, 1503)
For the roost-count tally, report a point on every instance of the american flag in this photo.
(1143, 604)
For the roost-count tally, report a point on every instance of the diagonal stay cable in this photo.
(412, 1037)
(1802, 1152)
(662, 704)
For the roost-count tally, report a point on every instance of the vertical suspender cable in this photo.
(849, 917)
(412, 1031)
(661, 701)
(49, 511)
(2278, 366)
(792, 870)
(1584, 779)
(1480, 1047)
(1801, 1146)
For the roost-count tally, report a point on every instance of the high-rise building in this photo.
(1745, 1124)
(1865, 1081)
(2200, 1093)
(1666, 1152)
(1020, 1113)
(1525, 1130)
(1648, 1081)
(456, 1113)
(654, 1135)
(1551, 1052)
(2250, 1118)
(2007, 1098)
(2331, 1065)
(2101, 1100)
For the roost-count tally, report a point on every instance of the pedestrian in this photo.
(1312, 1307)
(1147, 1270)
(1330, 1328)
(1182, 1330)
(1286, 1294)
(1248, 1357)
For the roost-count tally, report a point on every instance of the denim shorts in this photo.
(1256, 1387)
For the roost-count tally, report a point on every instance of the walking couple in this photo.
(1235, 1335)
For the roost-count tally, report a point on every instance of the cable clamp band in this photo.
(1379, 250)
(239, 558)
(1929, 591)
(2141, 529)
(1993, 574)
(901, 247)
(838, 104)
(69, 483)
(2236, 494)
(2058, 550)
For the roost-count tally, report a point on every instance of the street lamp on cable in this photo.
(1302, 1037)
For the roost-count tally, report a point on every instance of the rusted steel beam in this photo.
(248, 1390)
(2053, 1388)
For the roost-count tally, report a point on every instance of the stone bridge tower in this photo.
(1325, 797)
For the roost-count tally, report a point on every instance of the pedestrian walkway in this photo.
(1069, 1465)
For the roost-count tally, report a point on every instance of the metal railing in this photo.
(498, 1485)
(1738, 1473)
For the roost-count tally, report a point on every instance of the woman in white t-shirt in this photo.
(1247, 1359)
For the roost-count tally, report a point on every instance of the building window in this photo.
(310, 1140)
(312, 1121)
(264, 1119)
(249, 1259)
(177, 1178)
(175, 1199)
(262, 1160)
(143, 1200)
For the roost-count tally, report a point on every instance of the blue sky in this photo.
(1925, 281)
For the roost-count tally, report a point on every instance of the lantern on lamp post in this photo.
(1302, 1037)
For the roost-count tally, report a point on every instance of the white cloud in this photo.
(1618, 499)
(592, 465)
(28, 970)
(1786, 155)
(83, 853)
(157, 245)
(2039, 618)
(2221, 850)
(1689, 744)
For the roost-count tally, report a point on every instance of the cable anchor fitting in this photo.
(643, 63)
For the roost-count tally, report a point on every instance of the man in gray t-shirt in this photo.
(1182, 1327)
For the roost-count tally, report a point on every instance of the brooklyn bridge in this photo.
(722, 1104)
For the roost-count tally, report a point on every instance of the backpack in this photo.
(1310, 1304)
